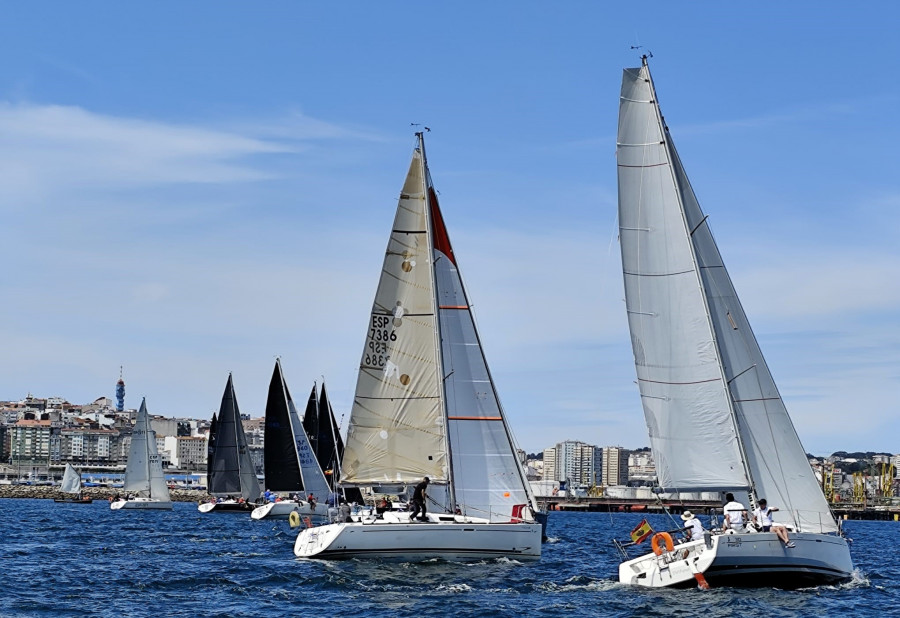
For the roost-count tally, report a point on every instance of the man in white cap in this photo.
(693, 527)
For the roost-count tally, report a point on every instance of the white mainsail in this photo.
(715, 416)
(683, 391)
(71, 480)
(143, 472)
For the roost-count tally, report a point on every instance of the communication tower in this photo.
(120, 393)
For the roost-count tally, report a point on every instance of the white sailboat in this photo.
(425, 406)
(291, 464)
(71, 484)
(231, 475)
(716, 419)
(144, 478)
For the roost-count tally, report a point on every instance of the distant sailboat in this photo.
(425, 405)
(231, 474)
(71, 484)
(144, 478)
(716, 419)
(291, 464)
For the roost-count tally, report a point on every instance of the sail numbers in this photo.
(380, 334)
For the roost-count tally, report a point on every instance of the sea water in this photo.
(85, 560)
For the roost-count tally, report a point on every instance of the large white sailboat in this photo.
(145, 484)
(716, 419)
(231, 475)
(425, 406)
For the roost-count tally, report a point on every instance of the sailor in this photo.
(419, 498)
(692, 527)
(735, 514)
(763, 517)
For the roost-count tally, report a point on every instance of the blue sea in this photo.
(85, 560)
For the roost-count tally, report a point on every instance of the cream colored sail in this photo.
(397, 425)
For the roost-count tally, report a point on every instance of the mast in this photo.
(438, 338)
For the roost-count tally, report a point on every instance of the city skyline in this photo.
(188, 196)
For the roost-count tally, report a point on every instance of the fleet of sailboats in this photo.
(716, 419)
(425, 406)
(144, 484)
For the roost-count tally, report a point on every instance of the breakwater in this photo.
(97, 493)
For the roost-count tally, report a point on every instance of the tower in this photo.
(120, 393)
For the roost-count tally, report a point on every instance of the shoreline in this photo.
(97, 493)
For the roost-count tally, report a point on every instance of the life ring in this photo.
(654, 542)
(294, 519)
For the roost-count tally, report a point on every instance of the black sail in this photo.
(282, 467)
(223, 464)
(311, 424)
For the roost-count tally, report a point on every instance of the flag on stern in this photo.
(641, 532)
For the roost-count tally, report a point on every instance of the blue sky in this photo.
(188, 189)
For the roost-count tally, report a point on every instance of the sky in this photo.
(193, 189)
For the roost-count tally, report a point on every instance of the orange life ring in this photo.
(654, 542)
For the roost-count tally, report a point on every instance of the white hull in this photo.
(230, 506)
(142, 503)
(450, 538)
(752, 559)
(283, 510)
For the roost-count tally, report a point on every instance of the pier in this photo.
(842, 510)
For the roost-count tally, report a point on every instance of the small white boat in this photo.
(71, 484)
(143, 472)
(426, 406)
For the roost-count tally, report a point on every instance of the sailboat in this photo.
(71, 484)
(425, 406)
(144, 480)
(716, 419)
(291, 464)
(231, 476)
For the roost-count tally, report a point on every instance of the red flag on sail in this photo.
(641, 531)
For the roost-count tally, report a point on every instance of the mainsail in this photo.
(424, 390)
(232, 472)
(397, 429)
(715, 416)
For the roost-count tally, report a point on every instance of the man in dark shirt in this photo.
(419, 500)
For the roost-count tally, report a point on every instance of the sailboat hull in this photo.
(226, 506)
(408, 541)
(283, 510)
(745, 560)
(141, 503)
